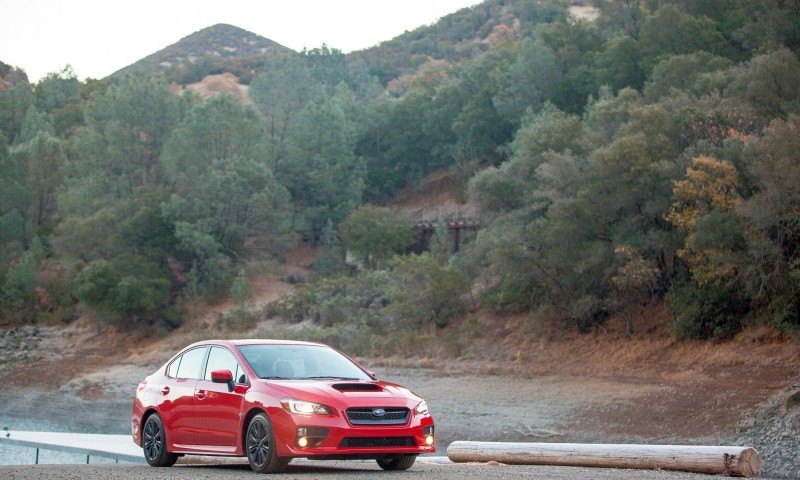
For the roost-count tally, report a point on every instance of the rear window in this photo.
(172, 369)
(192, 363)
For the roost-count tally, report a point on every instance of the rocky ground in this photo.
(774, 429)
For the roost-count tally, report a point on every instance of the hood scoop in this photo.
(357, 387)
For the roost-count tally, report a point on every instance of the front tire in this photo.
(154, 443)
(403, 462)
(260, 445)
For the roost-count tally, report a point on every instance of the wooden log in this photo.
(728, 460)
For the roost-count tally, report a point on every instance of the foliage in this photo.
(374, 234)
(422, 292)
(124, 289)
(705, 311)
(648, 154)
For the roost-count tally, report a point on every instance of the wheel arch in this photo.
(243, 431)
(147, 413)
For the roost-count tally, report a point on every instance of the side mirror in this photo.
(372, 374)
(223, 376)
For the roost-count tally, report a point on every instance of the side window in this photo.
(192, 363)
(172, 369)
(221, 359)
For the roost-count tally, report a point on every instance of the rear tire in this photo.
(260, 447)
(154, 443)
(403, 462)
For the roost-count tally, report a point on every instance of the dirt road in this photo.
(327, 470)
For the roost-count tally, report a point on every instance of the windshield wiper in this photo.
(325, 377)
(277, 378)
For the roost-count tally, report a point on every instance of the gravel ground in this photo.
(774, 430)
(324, 470)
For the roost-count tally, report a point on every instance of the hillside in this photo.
(10, 76)
(457, 37)
(214, 49)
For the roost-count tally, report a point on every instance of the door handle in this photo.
(165, 390)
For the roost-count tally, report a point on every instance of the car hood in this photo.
(347, 393)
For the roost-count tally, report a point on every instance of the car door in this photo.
(176, 404)
(217, 410)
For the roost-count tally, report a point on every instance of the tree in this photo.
(14, 105)
(18, 294)
(241, 290)
(325, 178)
(680, 72)
(633, 281)
(330, 259)
(226, 201)
(441, 243)
(423, 292)
(234, 204)
(549, 129)
(40, 163)
(530, 80)
(769, 83)
(774, 163)
(119, 150)
(279, 93)
(125, 289)
(218, 129)
(375, 234)
(59, 94)
(684, 34)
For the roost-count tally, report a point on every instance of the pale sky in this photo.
(99, 37)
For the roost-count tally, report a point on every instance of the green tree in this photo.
(668, 31)
(441, 243)
(241, 290)
(422, 292)
(530, 81)
(325, 178)
(40, 165)
(374, 234)
(18, 294)
(680, 72)
(279, 93)
(14, 105)
(119, 149)
(127, 290)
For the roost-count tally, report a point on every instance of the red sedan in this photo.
(274, 400)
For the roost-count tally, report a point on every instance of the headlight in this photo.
(422, 408)
(305, 408)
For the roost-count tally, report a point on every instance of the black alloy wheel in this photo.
(260, 444)
(154, 443)
(402, 462)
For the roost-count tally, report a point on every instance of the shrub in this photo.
(125, 288)
(421, 291)
(705, 311)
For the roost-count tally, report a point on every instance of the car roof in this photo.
(256, 341)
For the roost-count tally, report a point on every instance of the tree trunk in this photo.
(728, 460)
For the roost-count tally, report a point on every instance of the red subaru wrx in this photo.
(274, 400)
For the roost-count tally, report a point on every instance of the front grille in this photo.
(372, 415)
(367, 442)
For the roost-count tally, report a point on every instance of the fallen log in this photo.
(728, 460)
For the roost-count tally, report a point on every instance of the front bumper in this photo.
(338, 428)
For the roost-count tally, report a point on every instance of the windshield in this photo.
(297, 362)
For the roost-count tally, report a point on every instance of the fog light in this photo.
(302, 442)
(429, 440)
